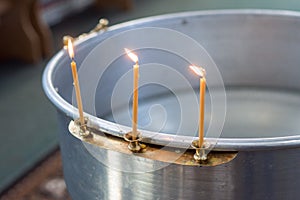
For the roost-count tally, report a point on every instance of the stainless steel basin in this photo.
(257, 57)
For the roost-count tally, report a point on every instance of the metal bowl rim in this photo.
(226, 144)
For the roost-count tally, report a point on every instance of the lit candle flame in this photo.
(198, 70)
(70, 49)
(131, 55)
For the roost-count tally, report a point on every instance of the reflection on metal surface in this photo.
(114, 185)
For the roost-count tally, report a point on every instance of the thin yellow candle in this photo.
(76, 82)
(201, 110)
(201, 72)
(135, 100)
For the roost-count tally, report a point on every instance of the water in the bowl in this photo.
(251, 113)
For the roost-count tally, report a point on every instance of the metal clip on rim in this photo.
(83, 131)
(201, 154)
(134, 145)
(101, 26)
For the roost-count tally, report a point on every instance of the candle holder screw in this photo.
(134, 144)
(201, 152)
(83, 129)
